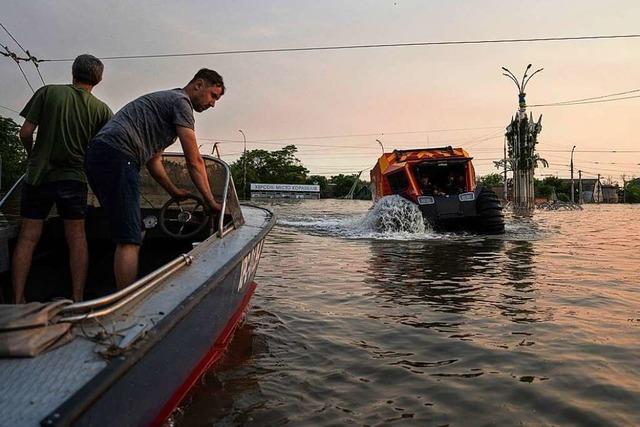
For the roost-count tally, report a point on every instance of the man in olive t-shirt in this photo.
(67, 117)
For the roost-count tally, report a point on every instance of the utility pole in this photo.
(573, 191)
(624, 189)
(579, 187)
(244, 166)
(504, 178)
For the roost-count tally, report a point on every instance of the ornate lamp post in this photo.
(521, 136)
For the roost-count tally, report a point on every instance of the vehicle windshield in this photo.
(441, 178)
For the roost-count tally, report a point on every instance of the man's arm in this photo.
(195, 165)
(26, 135)
(159, 173)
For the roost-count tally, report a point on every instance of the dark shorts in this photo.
(115, 179)
(70, 198)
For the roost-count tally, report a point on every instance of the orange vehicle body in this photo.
(442, 183)
(391, 163)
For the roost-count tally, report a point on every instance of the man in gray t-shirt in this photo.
(135, 137)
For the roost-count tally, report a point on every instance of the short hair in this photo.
(87, 69)
(211, 77)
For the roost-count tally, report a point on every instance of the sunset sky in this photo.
(334, 104)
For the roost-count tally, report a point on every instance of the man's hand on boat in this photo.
(213, 207)
(210, 207)
(180, 193)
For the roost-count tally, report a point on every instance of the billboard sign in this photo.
(285, 187)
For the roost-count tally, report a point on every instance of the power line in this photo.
(590, 151)
(10, 109)
(30, 58)
(355, 135)
(585, 102)
(361, 46)
(585, 99)
(17, 61)
(25, 77)
(13, 38)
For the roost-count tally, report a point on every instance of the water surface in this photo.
(353, 326)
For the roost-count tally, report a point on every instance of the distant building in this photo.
(592, 191)
(284, 191)
(610, 193)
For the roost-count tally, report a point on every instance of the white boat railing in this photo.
(225, 192)
(86, 309)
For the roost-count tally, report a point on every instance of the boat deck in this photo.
(33, 388)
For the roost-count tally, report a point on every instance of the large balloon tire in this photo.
(490, 216)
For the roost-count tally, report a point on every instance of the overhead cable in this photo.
(565, 104)
(30, 58)
(585, 99)
(10, 109)
(360, 46)
(354, 135)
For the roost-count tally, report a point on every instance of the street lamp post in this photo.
(573, 191)
(244, 166)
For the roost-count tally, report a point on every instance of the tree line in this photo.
(281, 167)
(551, 184)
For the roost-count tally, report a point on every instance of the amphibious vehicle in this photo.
(442, 183)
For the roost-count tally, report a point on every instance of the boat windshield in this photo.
(153, 196)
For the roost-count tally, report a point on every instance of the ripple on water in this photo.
(353, 325)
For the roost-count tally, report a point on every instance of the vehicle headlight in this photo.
(426, 200)
(466, 197)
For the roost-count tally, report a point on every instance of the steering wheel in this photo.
(183, 218)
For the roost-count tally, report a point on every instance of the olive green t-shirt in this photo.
(67, 118)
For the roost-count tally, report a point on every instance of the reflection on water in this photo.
(353, 326)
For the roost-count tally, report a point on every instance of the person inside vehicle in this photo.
(136, 137)
(66, 117)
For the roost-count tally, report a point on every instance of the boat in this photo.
(441, 182)
(133, 354)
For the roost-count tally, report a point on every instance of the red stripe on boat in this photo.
(212, 356)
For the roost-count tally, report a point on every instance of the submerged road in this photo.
(350, 326)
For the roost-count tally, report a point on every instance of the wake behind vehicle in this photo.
(442, 183)
(128, 357)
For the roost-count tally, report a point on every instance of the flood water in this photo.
(540, 326)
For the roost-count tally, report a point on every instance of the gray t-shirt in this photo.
(147, 125)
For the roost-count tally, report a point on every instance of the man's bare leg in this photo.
(78, 255)
(28, 238)
(125, 264)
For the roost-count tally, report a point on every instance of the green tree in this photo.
(632, 191)
(341, 185)
(320, 180)
(12, 153)
(546, 187)
(269, 167)
(491, 180)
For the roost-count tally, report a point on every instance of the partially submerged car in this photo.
(442, 182)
